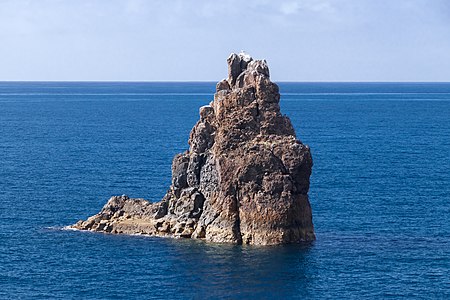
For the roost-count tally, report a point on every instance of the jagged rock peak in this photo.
(244, 178)
(244, 63)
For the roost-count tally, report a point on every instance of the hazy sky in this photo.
(302, 40)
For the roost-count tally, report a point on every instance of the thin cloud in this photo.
(164, 40)
(294, 7)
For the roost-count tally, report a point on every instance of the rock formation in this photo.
(244, 179)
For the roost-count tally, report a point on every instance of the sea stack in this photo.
(244, 179)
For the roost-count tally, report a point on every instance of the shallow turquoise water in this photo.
(380, 193)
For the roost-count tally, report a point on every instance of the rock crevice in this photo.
(244, 179)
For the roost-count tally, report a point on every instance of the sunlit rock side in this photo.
(244, 179)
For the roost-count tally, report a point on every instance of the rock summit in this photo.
(244, 179)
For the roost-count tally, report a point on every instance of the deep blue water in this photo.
(380, 193)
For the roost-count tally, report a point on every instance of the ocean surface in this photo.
(380, 194)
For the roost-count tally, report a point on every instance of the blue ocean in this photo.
(380, 194)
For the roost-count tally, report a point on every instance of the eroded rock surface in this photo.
(244, 179)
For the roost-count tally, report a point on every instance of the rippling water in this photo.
(380, 194)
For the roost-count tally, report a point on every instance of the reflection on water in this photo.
(226, 270)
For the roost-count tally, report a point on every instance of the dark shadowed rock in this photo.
(244, 179)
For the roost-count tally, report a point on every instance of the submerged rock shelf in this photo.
(244, 179)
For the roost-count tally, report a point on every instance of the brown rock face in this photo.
(244, 179)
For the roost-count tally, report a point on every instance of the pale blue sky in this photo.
(303, 40)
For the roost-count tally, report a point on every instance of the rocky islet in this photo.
(244, 179)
